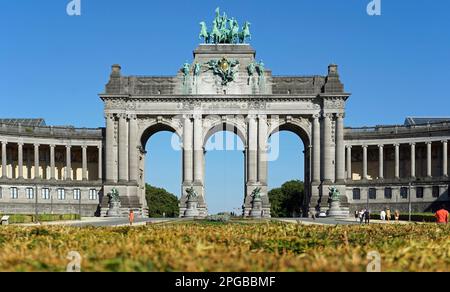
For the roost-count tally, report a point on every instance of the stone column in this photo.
(262, 148)
(252, 149)
(36, 161)
(444, 158)
(316, 149)
(52, 162)
(68, 162)
(20, 159)
(100, 162)
(123, 148)
(198, 149)
(187, 150)
(111, 167)
(364, 147)
(4, 159)
(84, 163)
(327, 156)
(413, 160)
(349, 163)
(340, 149)
(381, 161)
(429, 144)
(397, 161)
(134, 163)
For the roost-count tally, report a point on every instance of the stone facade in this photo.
(67, 170)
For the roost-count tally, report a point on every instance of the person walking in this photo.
(397, 215)
(357, 215)
(367, 216)
(383, 215)
(442, 216)
(131, 217)
(361, 216)
(388, 215)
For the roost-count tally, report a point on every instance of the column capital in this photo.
(396, 145)
(4, 142)
(36, 145)
(412, 144)
(428, 142)
(444, 141)
(365, 146)
(380, 146)
(251, 117)
(316, 116)
(327, 115)
(348, 146)
(262, 117)
(187, 116)
(68, 146)
(197, 116)
(20, 144)
(52, 146)
(340, 116)
(84, 146)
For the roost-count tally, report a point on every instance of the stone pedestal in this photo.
(336, 210)
(114, 210)
(191, 209)
(256, 211)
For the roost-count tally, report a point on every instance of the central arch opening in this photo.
(289, 171)
(161, 156)
(224, 170)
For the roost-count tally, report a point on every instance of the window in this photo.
(93, 195)
(77, 194)
(14, 193)
(404, 193)
(436, 192)
(372, 193)
(419, 192)
(30, 193)
(356, 194)
(61, 194)
(388, 193)
(45, 194)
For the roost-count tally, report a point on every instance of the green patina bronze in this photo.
(223, 68)
(224, 30)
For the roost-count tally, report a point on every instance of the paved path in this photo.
(102, 222)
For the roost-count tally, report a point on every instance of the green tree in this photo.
(161, 202)
(287, 200)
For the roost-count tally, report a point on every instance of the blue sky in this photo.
(53, 65)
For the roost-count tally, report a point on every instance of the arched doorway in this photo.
(160, 156)
(225, 180)
(290, 160)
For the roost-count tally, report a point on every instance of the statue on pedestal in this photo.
(114, 203)
(192, 204)
(256, 211)
(335, 204)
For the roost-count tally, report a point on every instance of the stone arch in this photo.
(300, 127)
(225, 125)
(147, 130)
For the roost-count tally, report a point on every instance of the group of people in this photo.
(442, 215)
(362, 215)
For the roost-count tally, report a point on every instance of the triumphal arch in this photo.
(225, 87)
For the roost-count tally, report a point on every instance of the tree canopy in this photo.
(161, 202)
(287, 200)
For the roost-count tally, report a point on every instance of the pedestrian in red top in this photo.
(131, 217)
(442, 216)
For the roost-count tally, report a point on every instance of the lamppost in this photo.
(36, 211)
(409, 202)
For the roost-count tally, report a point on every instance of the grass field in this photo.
(235, 247)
